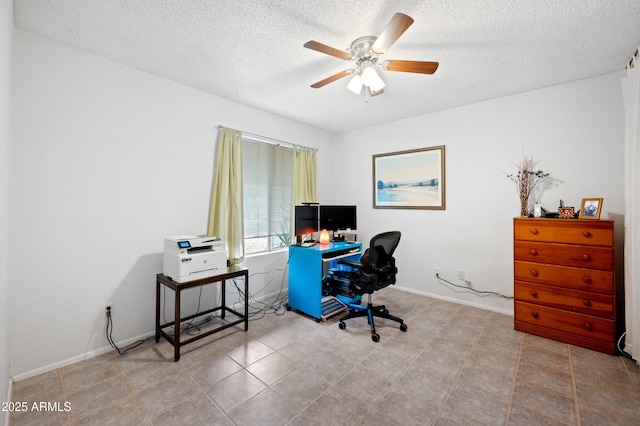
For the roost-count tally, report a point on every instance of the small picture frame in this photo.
(566, 212)
(591, 208)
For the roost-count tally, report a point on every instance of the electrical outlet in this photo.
(461, 275)
(108, 306)
(436, 271)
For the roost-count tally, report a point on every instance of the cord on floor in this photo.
(478, 293)
(109, 332)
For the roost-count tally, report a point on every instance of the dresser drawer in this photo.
(563, 276)
(585, 302)
(565, 321)
(569, 231)
(596, 257)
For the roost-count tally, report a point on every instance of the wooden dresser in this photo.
(564, 283)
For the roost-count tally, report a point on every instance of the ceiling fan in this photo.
(365, 53)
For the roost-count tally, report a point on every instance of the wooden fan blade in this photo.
(392, 32)
(331, 79)
(323, 48)
(419, 67)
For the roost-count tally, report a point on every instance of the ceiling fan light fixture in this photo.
(371, 79)
(355, 85)
(377, 85)
(369, 75)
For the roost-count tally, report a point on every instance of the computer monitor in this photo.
(306, 219)
(337, 218)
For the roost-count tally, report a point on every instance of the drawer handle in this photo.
(534, 231)
(586, 257)
(534, 252)
(535, 315)
(587, 303)
(586, 234)
(586, 280)
(534, 272)
(534, 294)
(588, 326)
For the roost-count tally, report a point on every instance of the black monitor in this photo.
(336, 218)
(306, 219)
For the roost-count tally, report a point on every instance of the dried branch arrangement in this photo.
(526, 179)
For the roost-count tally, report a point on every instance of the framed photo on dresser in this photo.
(591, 208)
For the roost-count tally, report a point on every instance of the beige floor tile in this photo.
(45, 387)
(235, 390)
(455, 365)
(267, 409)
(98, 396)
(198, 410)
(546, 402)
(402, 405)
(126, 411)
(364, 384)
(272, 368)
(169, 392)
(522, 416)
(545, 377)
(336, 407)
(89, 372)
(301, 387)
(250, 352)
(474, 405)
(211, 371)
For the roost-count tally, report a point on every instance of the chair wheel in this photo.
(403, 327)
(375, 337)
(342, 325)
(385, 312)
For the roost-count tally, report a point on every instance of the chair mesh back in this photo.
(378, 260)
(388, 240)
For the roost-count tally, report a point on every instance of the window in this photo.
(267, 181)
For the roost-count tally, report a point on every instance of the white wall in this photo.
(108, 160)
(6, 31)
(575, 129)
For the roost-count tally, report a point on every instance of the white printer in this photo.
(191, 257)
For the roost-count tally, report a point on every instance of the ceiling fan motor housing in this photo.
(361, 49)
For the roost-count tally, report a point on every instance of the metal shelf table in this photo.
(223, 276)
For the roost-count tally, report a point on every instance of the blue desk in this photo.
(307, 268)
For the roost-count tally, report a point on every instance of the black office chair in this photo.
(376, 270)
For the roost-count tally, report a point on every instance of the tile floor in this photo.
(456, 365)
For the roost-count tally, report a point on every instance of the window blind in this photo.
(267, 183)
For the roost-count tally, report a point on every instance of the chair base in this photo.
(370, 311)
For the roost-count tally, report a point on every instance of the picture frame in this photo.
(412, 179)
(591, 208)
(566, 212)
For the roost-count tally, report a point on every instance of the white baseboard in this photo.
(78, 358)
(458, 301)
(104, 350)
(9, 391)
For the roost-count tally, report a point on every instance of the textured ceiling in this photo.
(252, 51)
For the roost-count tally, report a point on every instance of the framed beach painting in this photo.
(411, 179)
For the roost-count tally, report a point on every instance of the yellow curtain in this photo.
(226, 214)
(304, 175)
(304, 180)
